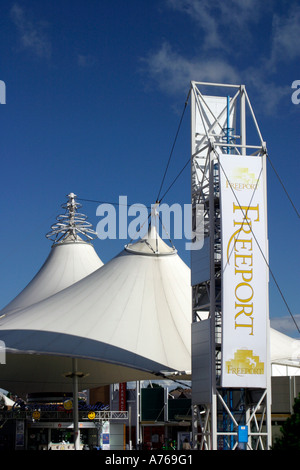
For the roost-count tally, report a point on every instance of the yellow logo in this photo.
(91, 415)
(242, 178)
(36, 415)
(244, 362)
(68, 405)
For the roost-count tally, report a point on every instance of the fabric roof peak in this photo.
(71, 259)
(151, 243)
(72, 226)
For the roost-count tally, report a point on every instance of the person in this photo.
(186, 445)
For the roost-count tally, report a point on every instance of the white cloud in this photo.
(268, 94)
(285, 36)
(173, 72)
(86, 60)
(286, 325)
(200, 13)
(220, 27)
(219, 19)
(32, 34)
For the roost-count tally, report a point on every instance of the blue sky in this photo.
(94, 95)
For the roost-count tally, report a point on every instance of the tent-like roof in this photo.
(72, 257)
(285, 350)
(6, 401)
(128, 320)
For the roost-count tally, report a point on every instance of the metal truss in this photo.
(56, 415)
(219, 420)
(232, 415)
(72, 225)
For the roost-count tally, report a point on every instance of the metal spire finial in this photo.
(71, 226)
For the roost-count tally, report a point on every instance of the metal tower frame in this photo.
(222, 418)
(72, 226)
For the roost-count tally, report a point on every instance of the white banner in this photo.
(244, 272)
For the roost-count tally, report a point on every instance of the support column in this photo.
(243, 120)
(75, 406)
(212, 310)
(138, 414)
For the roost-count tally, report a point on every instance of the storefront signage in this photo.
(61, 425)
(122, 396)
(57, 407)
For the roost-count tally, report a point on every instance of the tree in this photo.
(290, 430)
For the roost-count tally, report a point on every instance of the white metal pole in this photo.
(75, 406)
(129, 425)
(192, 123)
(243, 120)
(212, 302)
(138, 414)
(269, 385)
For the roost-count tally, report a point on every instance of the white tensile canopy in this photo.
(285, 354)
(67, 263)
(5, 401)
(71, 258)
(128, 320)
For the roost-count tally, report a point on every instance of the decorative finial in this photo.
(71, 226)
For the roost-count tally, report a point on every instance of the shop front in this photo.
(60, 435)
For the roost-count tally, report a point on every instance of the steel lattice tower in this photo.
(222, 416)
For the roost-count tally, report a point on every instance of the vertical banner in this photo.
(105, 436)
(20, 434)
(122, 396)
(244, 272)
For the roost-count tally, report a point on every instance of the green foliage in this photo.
(290, 430)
